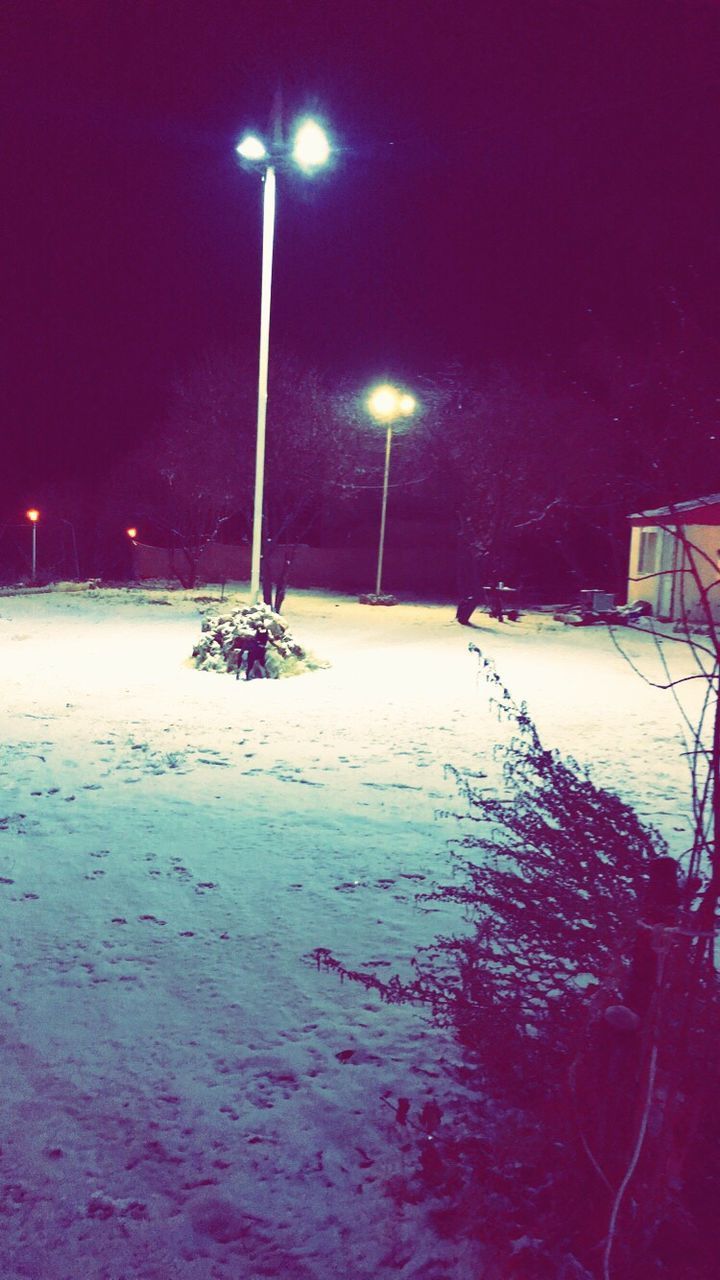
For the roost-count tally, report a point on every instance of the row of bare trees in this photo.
(528, 472)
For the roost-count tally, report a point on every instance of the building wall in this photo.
(665, 579)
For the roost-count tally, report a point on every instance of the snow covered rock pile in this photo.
(253, 642)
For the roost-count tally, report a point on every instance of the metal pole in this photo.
(34, 551)
(388, 442)
(267, 256)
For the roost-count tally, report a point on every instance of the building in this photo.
(675, 557)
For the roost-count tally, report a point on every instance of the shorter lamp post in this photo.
(33, 516)
(387, 404)
(132, 534)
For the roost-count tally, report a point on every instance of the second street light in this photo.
(387, 404)
(309, 150)
(33, 516)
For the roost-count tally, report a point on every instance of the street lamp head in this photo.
(309, 151)
(383, 403)
(132, 533)
(386, 403)
(311, 146)
(33, 515)
(251, 148)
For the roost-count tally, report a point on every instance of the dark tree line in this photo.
(528, 474)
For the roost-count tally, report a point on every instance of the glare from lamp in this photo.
(384, 403)
(251, 147)
(311, 148)
(407, 405)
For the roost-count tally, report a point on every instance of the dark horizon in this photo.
(508, 185)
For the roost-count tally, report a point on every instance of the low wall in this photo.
(425, 572)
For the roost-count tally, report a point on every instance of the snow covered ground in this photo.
(184, 1095)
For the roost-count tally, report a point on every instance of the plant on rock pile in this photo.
(254, 640)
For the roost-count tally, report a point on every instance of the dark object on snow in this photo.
(594, 601)
(431, 1164)
(371, 598)
(401, 1113)
(495, 599)
(640, 609)
(430, 1116)
(252, 639)
(498, 597)
(255, 655)
(251, 653)
(622, 615)
(466, 609)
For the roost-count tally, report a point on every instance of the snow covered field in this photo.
(184, 1095)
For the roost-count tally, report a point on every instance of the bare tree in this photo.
(517, 456)
(195, 478)
(310, 447)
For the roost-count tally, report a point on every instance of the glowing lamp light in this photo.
(311, 148)
(407, 405)
(251, 147)
(384, 403)
(33, 515)
(132, 533)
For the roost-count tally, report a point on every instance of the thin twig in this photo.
(581, 1132)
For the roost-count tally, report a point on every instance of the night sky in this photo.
(510, 178)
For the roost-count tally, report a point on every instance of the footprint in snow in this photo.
(221, 1220)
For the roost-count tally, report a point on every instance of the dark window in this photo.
(647, 560)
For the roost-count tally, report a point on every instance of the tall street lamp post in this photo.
(387, 404)
(309, 151)
(33, 516)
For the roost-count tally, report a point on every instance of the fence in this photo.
(425, 572)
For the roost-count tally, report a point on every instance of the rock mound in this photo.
(254, 642)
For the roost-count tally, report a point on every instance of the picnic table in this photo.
(499, 600)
